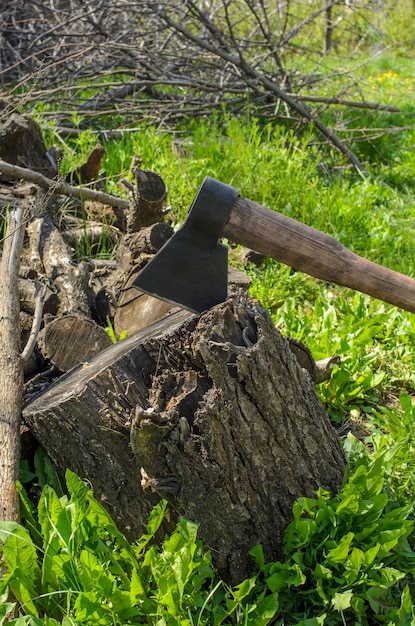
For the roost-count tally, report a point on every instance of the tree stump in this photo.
(148, 199)
(21, 143)
(213, 413)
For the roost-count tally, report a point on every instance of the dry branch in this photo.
(158, 73)
(258, 76)
(59, 186)
(354, 104)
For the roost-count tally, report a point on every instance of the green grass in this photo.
(349, 559)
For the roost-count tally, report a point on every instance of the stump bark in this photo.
(213, 413)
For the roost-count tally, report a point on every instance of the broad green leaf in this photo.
(342, 601)
(374, 507)
(257, 554)
(244, 588)
(379, 599)
(93, 574)
(88, 608)
(406, 403)
(348, 505)
(49, 509)
(405, 613)
(387, 577)
(77, 489)
(286, 576)
(264, 610)
(322, 572)
(153, 524)
(21, 559)
(340, 553)
(46, 473)
(353, 565)
(186, 531)
(137, 589)
(388, 539)
(28, 514)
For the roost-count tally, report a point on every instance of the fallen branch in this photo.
(347, 103)
(61, 187)
(37, 322)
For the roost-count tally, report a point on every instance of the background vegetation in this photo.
(349, 559)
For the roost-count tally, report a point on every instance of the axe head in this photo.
(191, 269)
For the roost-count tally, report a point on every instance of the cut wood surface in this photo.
(148, 200)
(213, 413)
(70, 340)
(21, 144)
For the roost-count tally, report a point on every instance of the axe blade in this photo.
(191, 269)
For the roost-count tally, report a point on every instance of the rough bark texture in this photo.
(212, 412)
(21, 143)
(50, 256)
(11, 369)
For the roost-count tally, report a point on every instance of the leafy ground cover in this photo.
(349, 559)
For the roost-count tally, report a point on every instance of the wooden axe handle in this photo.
(315, 253)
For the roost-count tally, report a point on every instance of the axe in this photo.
(191, 271)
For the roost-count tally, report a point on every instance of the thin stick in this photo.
(61, 187)
(37, 321)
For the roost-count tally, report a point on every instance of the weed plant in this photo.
(348, 558)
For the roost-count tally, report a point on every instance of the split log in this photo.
(49, 255)
(27, 298)
(211, 412)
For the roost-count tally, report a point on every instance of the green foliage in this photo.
(375, 341)
(70, 565)
(394, 439)
(348, 557)
(112, 334)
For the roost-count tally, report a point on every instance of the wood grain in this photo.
(315, 253)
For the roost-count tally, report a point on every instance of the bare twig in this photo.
(61, 187)
(271, 86)
(376, 106)
(37, 321)
(237, 60)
